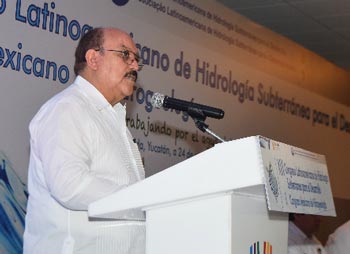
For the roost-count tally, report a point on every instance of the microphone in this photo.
(159, 100)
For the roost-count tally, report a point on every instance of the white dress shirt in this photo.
(81, 150)
(339, 241)
(299, 243)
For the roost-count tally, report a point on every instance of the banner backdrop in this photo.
(192, 50)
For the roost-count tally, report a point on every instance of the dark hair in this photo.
(93, 39)
(291, 216)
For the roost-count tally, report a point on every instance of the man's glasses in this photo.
(126, 56)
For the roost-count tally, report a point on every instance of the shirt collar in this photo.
(91, 92)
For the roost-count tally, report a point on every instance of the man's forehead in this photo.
(118, 38)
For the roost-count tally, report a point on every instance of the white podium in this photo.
(214, 202)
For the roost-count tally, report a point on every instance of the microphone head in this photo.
(157, 100)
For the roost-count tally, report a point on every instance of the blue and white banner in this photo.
(192, 50)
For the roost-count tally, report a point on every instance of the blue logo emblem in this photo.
(120, 2)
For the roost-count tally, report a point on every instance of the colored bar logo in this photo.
(256, 249)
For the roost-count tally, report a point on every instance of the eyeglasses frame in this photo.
(125, 55)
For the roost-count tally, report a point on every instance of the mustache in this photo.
(132, 74)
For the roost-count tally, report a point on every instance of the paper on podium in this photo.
(296, 179)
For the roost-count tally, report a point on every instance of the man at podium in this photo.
(301, 238)
(339, 241)
(81, 151)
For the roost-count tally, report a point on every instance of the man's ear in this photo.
(91, 58)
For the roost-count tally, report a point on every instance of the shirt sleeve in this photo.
(339, 241)
(294, 250)
(63, 144)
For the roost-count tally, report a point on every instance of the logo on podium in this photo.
(255, 248)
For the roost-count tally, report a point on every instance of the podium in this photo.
(214, 202)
